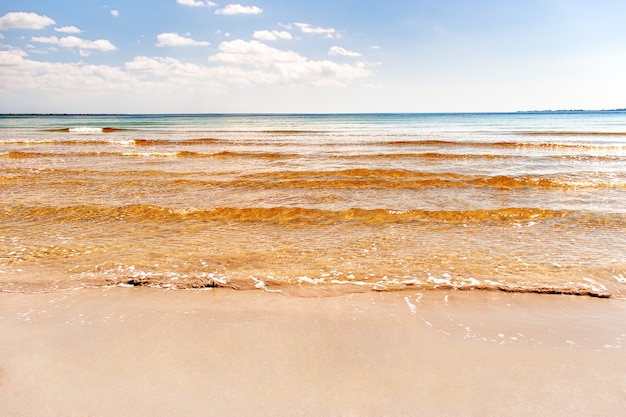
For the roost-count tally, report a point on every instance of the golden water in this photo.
(314, 205)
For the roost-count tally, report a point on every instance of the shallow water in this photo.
(315, 204)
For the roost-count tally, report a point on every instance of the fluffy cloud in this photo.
(164, 67)
(338, 50)
(236, 64)
(24, 20)
(233, 9)
(253, 53)
(174, 39)
(115, 13)
(241, 63)
(22, 74)
(197, 3)
(280, 66)
(74, 42)
(307, 28)
(68, 29)
(271, 35)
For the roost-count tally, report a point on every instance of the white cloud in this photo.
(11, 56)
(115, 13)
(271, 35)
(174, 39)
(68, 29)
(167, 73)
(163, 67)
(22, 74)
(253, 53)
(280, 66)
(1, 36)
(74, 42)
(241, 63)
(237, 64)
(233, 9)
(307, 28)
(24, 20)
(338, 50)
(197, 3)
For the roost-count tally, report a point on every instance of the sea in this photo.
(315, 204)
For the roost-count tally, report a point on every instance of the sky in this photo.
(325, 56)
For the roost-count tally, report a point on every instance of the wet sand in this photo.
(149, 352)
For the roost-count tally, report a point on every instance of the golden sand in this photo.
(146, 352)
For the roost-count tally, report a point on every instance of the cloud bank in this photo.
(238, 66)
(236, 63)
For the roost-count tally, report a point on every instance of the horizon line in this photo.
(309, 113)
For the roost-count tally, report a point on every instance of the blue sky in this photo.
(201, 56)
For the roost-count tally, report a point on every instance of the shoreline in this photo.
(153, 352)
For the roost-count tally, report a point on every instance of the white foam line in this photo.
(620, 278)
(336, 281)
(311, 280)
(85, 129)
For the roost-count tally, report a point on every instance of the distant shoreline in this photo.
(577, 111)
(574, 111)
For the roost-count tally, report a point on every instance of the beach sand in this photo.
(150, 352)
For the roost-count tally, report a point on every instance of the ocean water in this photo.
(312, 205)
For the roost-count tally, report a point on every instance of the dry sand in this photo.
(146, 352)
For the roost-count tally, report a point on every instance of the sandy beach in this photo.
(151, 352)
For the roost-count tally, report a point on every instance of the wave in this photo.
(507, 144)
(425, 155)
(291, 131)
(197, 141)
(307, 216)
(88, 129)
(150, 153)
(115, 141)
(25, 155)
(401, 179)
(569, 133)
(230, 154)
(154, 152)
(295, 286)
(335, 179)
(302, 286)
(422, 149)
(192, 279)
